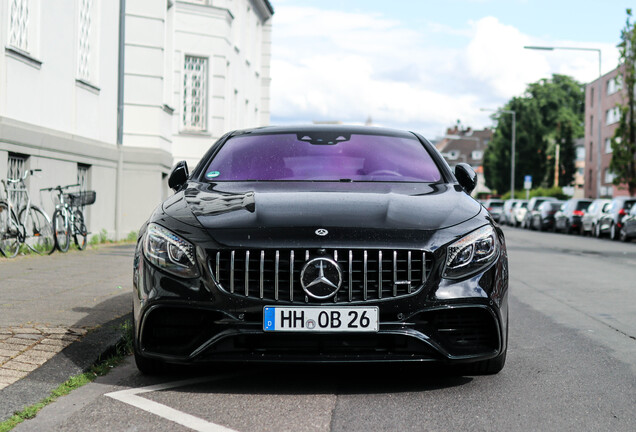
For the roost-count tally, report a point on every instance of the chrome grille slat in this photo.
(247, 273)
(366, 272)
(393, 273)
(276, 275)
(262, 274)
(291, 276)
(380, 274)
(350, 275)
(232, 273)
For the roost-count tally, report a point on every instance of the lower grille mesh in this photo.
(275, 274)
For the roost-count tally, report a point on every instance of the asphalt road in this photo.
(571, 366)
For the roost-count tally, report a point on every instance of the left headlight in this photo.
(471, 253)
(170, 252)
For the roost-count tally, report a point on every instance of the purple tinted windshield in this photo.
(293, 158)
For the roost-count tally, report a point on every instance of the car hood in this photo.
(294, 211)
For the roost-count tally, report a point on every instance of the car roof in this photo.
(343, 129)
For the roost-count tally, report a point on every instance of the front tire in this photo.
(60, 228)
(38, 231)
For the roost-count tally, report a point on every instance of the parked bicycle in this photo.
(21, 222)
(68, 218)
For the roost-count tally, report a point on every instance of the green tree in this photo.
(550, 112)
(623, 163)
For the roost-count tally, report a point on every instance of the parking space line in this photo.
(131, 397)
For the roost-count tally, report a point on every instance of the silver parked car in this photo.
(591, 217)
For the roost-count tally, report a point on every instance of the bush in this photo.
(555, 192)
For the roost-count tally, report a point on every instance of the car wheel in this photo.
(613, 232)
(597, 230)
(623, 235)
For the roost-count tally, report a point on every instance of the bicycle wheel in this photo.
(60, 227)
(79, 229)
(38, 231)
(10, 237)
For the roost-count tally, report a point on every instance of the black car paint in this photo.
(357, 215)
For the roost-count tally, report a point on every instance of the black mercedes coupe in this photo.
(321, 244)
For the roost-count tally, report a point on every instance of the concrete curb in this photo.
(72, 360)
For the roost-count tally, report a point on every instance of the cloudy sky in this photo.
(424, 64)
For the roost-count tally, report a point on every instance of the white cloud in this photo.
(334, 65)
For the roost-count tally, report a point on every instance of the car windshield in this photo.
(629, 204)
(341, 157)
(496, 204)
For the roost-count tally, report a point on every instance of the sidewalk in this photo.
(49, 302)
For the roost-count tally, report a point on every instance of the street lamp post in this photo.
(512, 152)
(599, 111)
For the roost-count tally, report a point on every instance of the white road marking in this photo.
(131, 397)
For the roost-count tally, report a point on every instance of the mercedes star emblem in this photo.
(321, 278)
(322, 232)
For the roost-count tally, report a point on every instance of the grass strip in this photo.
(102, 366)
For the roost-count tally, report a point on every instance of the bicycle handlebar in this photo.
(60, 188)
(24, 176)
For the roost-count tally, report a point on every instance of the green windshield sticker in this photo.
(213, 174)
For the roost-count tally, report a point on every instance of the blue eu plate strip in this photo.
(269, 318)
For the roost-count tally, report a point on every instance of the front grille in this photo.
(274, 274)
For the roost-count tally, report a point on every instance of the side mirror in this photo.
(466, 176)
(178, 176)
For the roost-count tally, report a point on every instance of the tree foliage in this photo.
(623, 163)
(550, 112)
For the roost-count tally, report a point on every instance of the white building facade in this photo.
(190, 72)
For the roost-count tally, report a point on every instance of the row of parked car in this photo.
(615, 218)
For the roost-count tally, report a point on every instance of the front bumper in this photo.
(192, 321)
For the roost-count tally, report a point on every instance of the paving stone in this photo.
(54, 342)
(30, 336)
(65, 337)
(17, 341)
(79, 331)
(5, 331)
(11, 373)
(4, 359)
(34, 356)
(12, 367)
(9, 352)
(24, 330)
(46, 347)
(53, 330)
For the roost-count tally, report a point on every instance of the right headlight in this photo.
(170, 252)
(471, 253)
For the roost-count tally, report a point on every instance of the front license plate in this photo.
(320, 319)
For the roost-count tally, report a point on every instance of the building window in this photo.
(608, 176)
(15, 170)
(86, 67)
(452, 155)
(477, 155)
(591, 96)
(195, 93)
(591, 125)
(612, 115)
(82, 176)
(580, 153)
(19, 24)
(591, 148)
(608, 145)
(614, 85)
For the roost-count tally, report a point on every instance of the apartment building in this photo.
(612, 95)
(112, 113)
